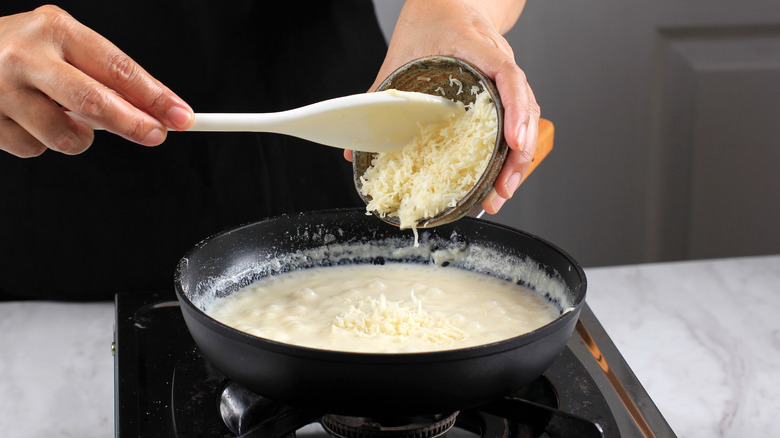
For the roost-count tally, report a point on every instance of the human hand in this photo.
(50, 62)
(472, 30)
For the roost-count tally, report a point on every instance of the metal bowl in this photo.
(432, 75)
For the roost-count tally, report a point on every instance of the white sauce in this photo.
(393, 308)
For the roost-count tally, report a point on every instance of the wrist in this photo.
(501, 14)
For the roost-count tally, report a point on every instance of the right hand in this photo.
(50, 62)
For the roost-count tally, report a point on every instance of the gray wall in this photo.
(667, 144)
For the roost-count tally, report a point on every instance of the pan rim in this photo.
(454, 354)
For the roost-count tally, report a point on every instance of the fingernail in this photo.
(179, 117)
(521, 136)
(154, 137)
(498, 202)
(512, 183)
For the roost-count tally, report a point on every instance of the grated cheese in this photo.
(401, 320)
(436, 169)
(458, 83)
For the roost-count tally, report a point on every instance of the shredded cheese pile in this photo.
(400, 320)
(436, 169)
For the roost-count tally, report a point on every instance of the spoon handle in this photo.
(241, 122)
(224, 122)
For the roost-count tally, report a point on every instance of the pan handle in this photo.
(543, 146)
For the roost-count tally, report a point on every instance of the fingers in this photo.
(94, 101)
(521, 125)
(525, 135)
(521, 111)
(107, 65)
(514, 171)
(17, 141)
(44, 123)
(48, 58)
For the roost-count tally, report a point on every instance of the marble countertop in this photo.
(701, 336)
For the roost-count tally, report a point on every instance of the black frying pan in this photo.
(363, 384)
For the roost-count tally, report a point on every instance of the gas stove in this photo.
(165, 388)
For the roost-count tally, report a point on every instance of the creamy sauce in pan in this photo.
(393, 308)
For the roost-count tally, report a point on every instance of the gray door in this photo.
(667, 116)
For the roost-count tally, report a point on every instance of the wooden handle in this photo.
(543, 146)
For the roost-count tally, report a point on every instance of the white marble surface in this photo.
(56, 370)
(703, 337)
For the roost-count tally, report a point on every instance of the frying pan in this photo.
(375, 384)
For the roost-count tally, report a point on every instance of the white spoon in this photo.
(372, 122)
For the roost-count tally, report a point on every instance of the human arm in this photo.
(49, 61)
(472, 30)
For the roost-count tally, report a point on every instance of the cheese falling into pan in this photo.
(393, 308)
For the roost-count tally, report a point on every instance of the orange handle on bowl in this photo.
(543, 146)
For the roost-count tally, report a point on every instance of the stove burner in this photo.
(428, 426)
(249, 415)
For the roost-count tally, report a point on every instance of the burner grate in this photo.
(427, 426)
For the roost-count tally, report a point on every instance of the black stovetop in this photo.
(165, 388)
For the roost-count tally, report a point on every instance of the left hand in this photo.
(472, 30)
